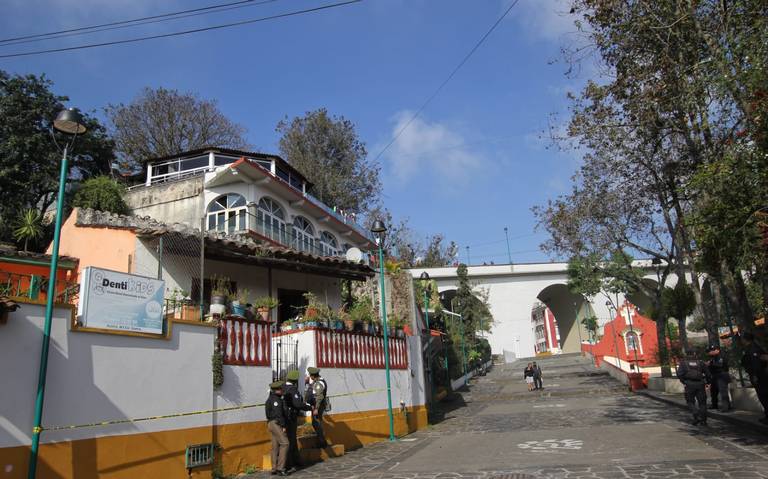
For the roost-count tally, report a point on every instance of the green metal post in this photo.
(40, 398)
(463, 349)
(386, 343)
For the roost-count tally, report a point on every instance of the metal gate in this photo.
(285, 356)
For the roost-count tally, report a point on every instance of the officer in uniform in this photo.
(276, 424)
(718, 371)
(295, 406)
(755, 361)
(317, 397)
(693, 373)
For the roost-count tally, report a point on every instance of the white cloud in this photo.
(431, 147)
(548, 20)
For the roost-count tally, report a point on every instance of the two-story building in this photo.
(247, 216)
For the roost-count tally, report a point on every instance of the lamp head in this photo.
(70, 122)
(378, 227)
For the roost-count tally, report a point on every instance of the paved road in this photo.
(582, 425)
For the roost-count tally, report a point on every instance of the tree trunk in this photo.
(663, 350)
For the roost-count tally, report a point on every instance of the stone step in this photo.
(309, 455)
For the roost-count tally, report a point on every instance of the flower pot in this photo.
(264, 313)
(218, 299)
(310, 324)
(238, 309)
(349, 325)
(366, 327)
(337, 325)
(219, 309)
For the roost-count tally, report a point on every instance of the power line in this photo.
(448, 79)
(184, 32)
(134, 23)
(123, 22)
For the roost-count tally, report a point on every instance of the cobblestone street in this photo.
(582, 425)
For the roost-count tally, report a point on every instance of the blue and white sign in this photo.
(121, 301)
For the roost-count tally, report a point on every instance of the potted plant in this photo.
(326, 317)
(347, 321)
(239, 301)
(288, 325)
(264, 305)
(361, 313)
(220, 290)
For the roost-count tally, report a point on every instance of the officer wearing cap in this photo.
(317, 396)
(276, 424)
(718, 371)
(295, 405)
(694, 375)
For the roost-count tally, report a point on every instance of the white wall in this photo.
(353, 384)
(96, 377)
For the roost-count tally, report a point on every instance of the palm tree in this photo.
(29, 226)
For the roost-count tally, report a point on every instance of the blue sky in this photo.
(474, 162)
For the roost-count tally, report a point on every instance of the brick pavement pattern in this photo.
(583, 424)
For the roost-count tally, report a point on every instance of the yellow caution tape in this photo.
(182, 414)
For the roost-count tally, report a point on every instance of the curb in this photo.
(735, 420)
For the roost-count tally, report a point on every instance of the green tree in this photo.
(101, 193)
(328, 151)
(28, 227)
(160, 122)
(590, 324)
(472, 304)
(29, 157)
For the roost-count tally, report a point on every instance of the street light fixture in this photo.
(427, 285)
(71, 123)
(379, 229)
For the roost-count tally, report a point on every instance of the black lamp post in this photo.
(70, 123)
(379, 229)
(427, 285)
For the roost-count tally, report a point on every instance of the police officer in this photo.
(693, 373)
(276, 424)
(295, 405)
(718, 371)
(755, 361)
(317, 396)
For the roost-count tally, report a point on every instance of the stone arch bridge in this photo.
(514, 289)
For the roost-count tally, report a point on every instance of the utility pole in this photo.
(468, 259)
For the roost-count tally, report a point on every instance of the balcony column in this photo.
(149, 175)
(211, 160)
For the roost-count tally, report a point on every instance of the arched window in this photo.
(303, 235)
(328, 244)
(633, 342)
(271, 220)
(227, 213)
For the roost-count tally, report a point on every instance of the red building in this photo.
(628, 340)
(26, 274)
(545, 332)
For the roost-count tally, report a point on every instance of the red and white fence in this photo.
(245, 342)
(343, 349)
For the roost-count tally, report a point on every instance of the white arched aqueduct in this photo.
(514, 289)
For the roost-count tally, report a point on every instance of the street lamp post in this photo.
(379, 229)
(427, 290)
(69, 122)
(578, 326)
(613, 322)
(509, 252)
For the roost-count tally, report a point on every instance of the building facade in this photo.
(245, 193)
(545, 332)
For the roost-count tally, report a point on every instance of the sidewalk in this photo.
(740, 418)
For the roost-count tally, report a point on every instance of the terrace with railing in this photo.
(185, 167)
(35, 287)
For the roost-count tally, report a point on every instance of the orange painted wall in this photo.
(161, 454)
(62, 275)
(106, 248)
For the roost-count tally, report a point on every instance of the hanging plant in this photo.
(217, 365)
